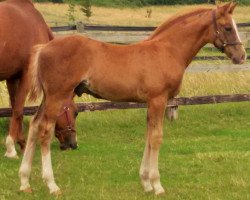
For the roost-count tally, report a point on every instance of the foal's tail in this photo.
(36, 85)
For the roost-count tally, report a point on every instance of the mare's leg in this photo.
(156, 109)
(11, 138)
(15, 130)
(21, 94)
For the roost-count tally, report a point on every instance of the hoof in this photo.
(57, 193)
(146, 184)
(148, 189)
(11, 156)
(54, 189)
(160, 192)
(26, 190)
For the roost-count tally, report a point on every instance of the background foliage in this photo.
(124, 3)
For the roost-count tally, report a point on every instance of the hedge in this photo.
(124, 3)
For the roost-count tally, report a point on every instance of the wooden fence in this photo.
(127, 34)
(87, 27)
(172, 104)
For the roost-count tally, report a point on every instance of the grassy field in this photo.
(205, 155)
(199, 84)
(125, 16)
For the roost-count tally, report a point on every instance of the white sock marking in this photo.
(10, 145)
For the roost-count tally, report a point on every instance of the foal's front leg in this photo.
(149, 171)
(144, 169)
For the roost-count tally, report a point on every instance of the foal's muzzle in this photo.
(239, 59)
(67, 138)
(72, 146)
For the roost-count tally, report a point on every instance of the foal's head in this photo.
(65, 126)
(226, 34)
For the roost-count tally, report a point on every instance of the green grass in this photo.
(200, 84)
(205, 155)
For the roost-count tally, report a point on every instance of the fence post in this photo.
(80, 27)
(172, 112)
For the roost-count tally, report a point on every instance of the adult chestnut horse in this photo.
(150, 71)
(22, 27)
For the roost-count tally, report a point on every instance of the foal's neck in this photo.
(188, 36)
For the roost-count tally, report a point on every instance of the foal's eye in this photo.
(75, 114)
(228, 29)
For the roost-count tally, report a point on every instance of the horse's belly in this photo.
(115, 95)
(114, 91)
(7, 72)
(9, 68)
(12, 60)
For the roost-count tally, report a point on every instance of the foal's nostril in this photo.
(73, 146)
(63, 147)
(235, 60)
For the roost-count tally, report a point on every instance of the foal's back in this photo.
(113, 72)
(21, 27)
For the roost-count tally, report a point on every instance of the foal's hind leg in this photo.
(47, 171)
(52, 108)
(25, 168)
(149, 167)
(43, 128)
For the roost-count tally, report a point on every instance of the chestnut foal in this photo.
(22, 27)
(150, 71)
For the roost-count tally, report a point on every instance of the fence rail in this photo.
(126, 34)
(63, 28)
(214, 57)
(88, 27)
(94, 106)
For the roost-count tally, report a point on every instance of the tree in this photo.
(212, 1)
(71, 11)
(85, 7)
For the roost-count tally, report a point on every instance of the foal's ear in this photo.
(232, 7)
(227, 8)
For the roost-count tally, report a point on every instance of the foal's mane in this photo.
(177, 18)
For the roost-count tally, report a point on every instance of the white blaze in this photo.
(236, 30)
